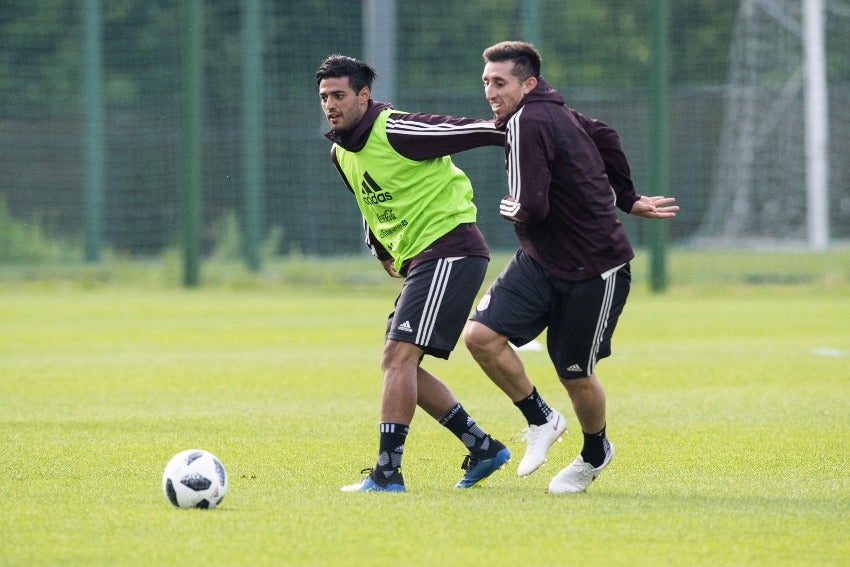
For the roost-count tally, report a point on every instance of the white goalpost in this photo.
(771, 185)
(816, 124)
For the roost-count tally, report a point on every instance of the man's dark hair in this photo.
(359, 74)
(526, 59)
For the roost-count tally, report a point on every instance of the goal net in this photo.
(759, 189)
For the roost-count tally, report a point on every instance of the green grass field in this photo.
(729, 404)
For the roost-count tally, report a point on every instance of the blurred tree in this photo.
(39, 54)
(604, 43)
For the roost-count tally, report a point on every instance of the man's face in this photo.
(502, 89)
(342, 106)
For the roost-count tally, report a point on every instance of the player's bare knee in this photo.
(580, 386)
(480, 340)
(473, 337)
(399, 355)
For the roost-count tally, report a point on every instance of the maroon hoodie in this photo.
(556, 172)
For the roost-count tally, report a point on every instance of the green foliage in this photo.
(227, 238)
(228, 244)
(26, 242)
(697, 272)
(50, 72)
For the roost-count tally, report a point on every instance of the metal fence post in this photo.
(192, 24)
(93, 128)
(252, 128)
(659, 142)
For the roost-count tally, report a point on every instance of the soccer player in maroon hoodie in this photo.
(567, 175)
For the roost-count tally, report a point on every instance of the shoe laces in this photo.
(581, 467)
(532, 432)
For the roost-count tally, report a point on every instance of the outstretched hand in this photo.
(655, 207)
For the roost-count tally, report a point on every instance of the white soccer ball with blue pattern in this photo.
(194, 479)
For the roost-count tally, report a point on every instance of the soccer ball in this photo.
(194, 479)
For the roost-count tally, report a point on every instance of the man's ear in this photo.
(528, 85)
(364, 94)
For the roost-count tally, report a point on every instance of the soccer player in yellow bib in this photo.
(421, 224)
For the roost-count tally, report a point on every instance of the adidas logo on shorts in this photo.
(405, 327)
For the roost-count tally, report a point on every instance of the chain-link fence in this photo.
(597, 52)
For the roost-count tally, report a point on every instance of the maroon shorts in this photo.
(435, 301)
(580, 316)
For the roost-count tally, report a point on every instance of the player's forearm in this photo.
(428, 136)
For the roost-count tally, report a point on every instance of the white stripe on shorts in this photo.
(602, 322)
(435, 298)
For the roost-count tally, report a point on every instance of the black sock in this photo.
(390, 451)
(464, 427)
(534, 409)
(595, 446)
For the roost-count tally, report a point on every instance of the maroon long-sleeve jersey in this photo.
(557, 174)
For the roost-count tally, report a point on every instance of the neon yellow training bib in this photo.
(408, 204)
